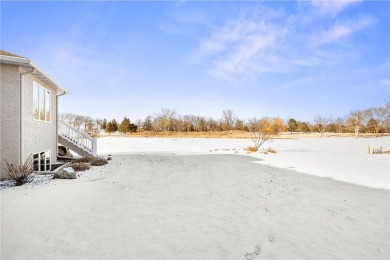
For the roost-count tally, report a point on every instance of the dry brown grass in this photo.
(251, 149)
(234, 134)
(223, 134)
(268, 150)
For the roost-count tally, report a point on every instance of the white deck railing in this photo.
(78, 137)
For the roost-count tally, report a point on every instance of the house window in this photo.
(41, 103)
(42, 161)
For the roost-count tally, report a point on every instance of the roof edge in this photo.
(40, 71)
(14, 59)
(26, 62)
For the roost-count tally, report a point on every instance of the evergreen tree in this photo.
(104, 124)
(303, 127)
(125, 126)
(292, 125)
(114, 124)
(133, 127)
(110, 128)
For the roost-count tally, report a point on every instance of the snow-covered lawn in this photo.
(220, 207)
(344, 159)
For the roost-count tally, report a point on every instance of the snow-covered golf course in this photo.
(164, 198)
(345, 159)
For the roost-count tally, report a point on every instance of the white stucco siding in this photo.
(38, 136)
(10, 115)
(20, 141)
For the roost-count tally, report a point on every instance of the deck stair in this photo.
(76, 139)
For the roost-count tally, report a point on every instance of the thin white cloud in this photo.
(331, 8)
(332, 35)
(241, 48)
(256, 44)
(342, 30)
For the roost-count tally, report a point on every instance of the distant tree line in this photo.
(87, 123)
(372, 120)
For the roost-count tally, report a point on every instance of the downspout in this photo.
(63, 93)
(21, 120)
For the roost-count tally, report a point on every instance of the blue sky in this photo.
(274, 58)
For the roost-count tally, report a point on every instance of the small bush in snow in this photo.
(270, 150)
(21, 173)
(98, 161)
(80, 166)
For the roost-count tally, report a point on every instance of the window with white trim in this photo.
(42, 161)
(41, 103)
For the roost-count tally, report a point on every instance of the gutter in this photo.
(15, 59)
(41, 72)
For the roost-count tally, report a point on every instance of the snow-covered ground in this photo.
(156, 205)
(36, 181)
(344, 159)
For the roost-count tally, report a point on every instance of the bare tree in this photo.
(212, 125)
(62, 117)
(89, 124)
(355, 121)
(202, 124)
(340, 125)
(194, 123)
(377, 115)
(87, 121)
(78, 121)
(162, 121)
(228, 119)
(187, 123)
(98, 124)
(176, 124)
(386, 123)
(263, 129)
(138, 122)
(68, 117)
(148, 124)
(321, 123)
(75, 120)
(199, 124)
(240, 125)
